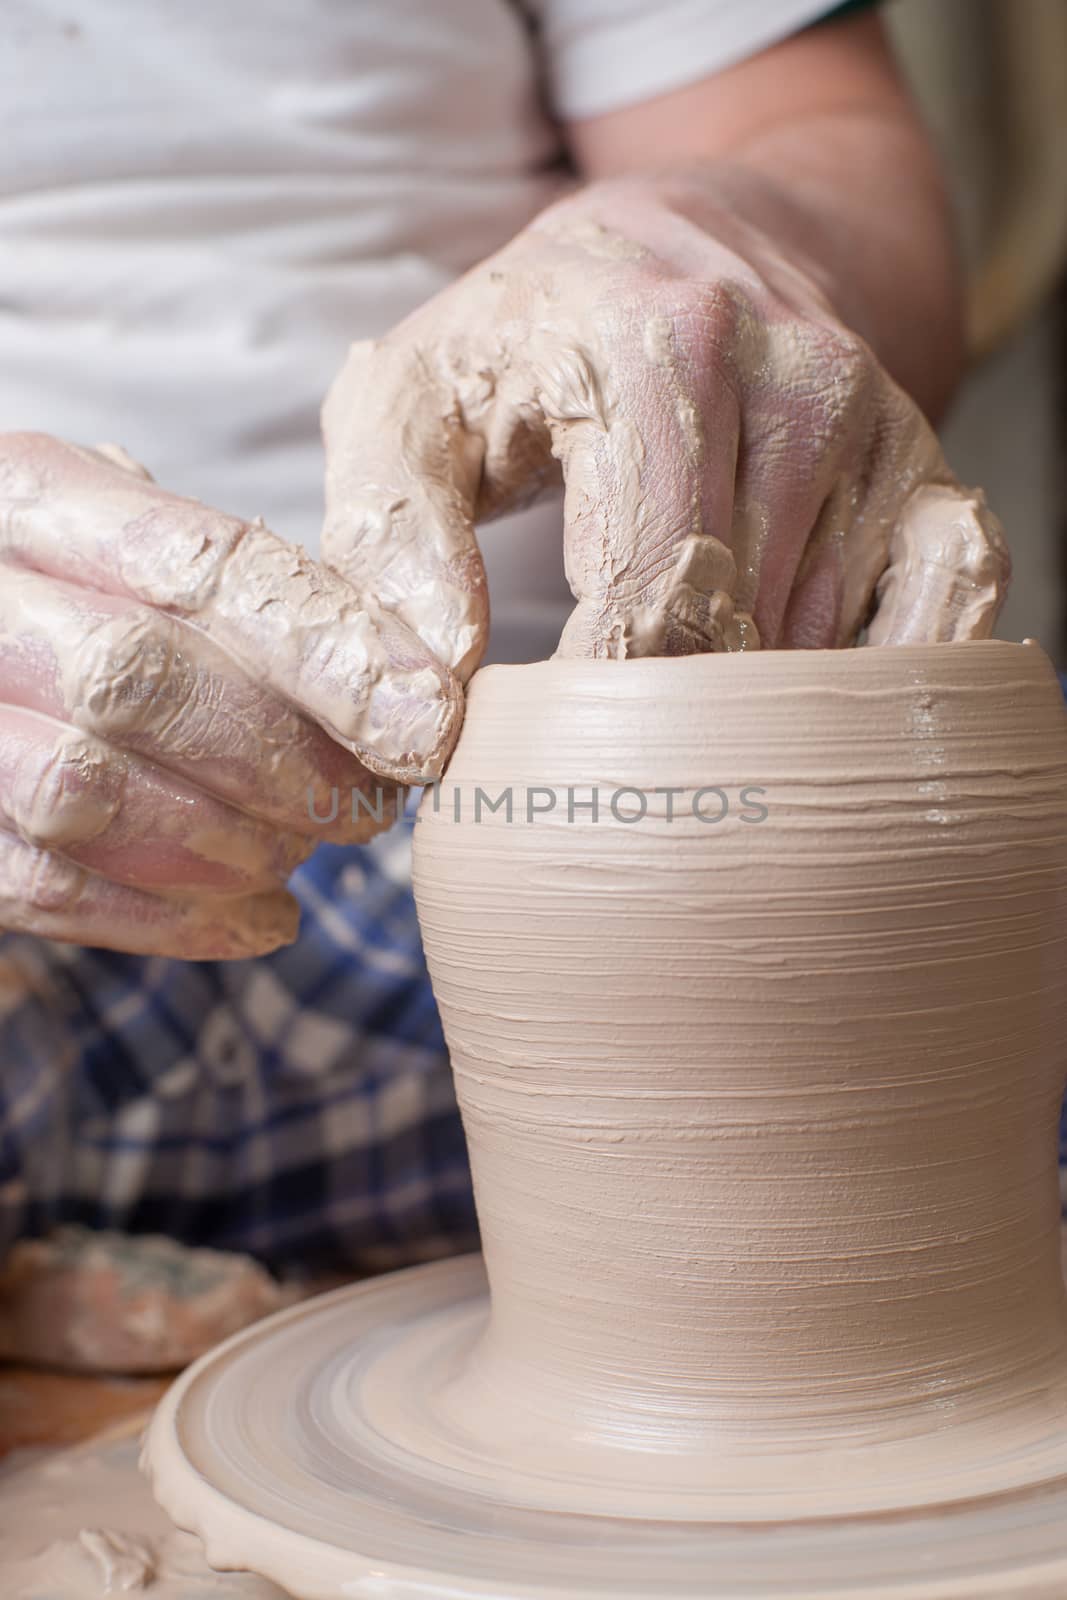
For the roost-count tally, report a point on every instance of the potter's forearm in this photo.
(817, 142)
(857, 200)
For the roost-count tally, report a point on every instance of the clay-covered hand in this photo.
(182, 696)
(740, 469)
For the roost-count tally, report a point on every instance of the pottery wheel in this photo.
(318, 1449)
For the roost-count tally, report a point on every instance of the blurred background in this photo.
(992, 78)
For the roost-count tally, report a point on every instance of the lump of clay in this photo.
(111, 1302)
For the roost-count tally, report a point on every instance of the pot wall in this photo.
(761, 1110)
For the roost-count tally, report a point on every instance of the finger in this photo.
(129, 821)
(45, 894)
(437, 425)
(403, 466)
(948, 570)
(834, 580)
(293, 624)
(806, 406)
(924, 551)
(647, 432)
(146, 683)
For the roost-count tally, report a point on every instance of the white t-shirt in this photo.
(202, 202)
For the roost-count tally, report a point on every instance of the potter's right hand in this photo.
(175, 687)
(740, 469)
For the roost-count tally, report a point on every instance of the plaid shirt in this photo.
(298, 1106)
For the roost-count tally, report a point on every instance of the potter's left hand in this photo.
(740, 469)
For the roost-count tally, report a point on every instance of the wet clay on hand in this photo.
(181, 693)
(740, 470)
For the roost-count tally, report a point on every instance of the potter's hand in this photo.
(739, 468)
(173, 683)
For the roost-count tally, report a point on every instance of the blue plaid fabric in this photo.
(299, 1106)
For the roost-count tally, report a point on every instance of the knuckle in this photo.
(823, 390)
(718, 308)
(842, 357)
(68, 795)
(174, 553)
(43, 882)
(28, 464)
(713, 326)
(126, 675)
(55, 884)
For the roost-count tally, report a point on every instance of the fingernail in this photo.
(410, 724)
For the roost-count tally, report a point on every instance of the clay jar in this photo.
(761, 1088)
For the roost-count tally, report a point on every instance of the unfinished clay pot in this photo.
(762, 1094)
(760, 1064)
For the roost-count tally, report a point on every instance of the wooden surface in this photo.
(40, 1410)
